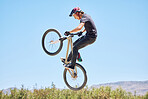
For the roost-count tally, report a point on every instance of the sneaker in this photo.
(79, 59)
(68, 66)
(63, 60)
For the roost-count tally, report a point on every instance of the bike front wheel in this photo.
(76, 81)
(51, 43)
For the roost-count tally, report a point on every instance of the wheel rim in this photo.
(78, 81)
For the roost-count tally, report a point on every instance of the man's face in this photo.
(76, 16)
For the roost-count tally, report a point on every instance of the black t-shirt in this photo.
(89, 25)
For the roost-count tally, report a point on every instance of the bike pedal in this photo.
(63, 60)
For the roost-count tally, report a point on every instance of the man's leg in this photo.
(80, 44)
(70, 55)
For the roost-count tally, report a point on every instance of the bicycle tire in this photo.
(85, 78)
(54, 31)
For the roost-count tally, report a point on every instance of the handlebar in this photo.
(71, 35)
(74, 33)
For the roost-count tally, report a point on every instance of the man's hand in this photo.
(80, 33)
(66, 33)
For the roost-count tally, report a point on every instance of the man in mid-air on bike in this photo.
(88, 38)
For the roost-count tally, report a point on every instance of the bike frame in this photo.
(70, 43)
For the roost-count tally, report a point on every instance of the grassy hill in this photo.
(117, 90)
(85, 93)
(135, 87)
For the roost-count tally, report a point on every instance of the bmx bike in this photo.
(52, 43)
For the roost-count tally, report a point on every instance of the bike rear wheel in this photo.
(51, 43)
(79, 81)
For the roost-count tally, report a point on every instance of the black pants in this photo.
(78, 44)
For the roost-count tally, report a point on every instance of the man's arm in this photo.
(83, 30)
(78, 28)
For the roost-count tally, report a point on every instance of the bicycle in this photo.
(52, 43)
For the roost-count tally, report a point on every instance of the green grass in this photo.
(54, 93)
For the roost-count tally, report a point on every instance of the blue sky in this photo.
(119, 54)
